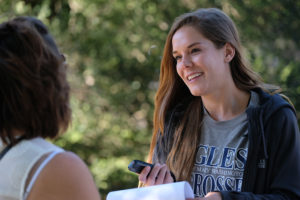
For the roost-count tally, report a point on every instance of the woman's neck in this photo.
(227, 104)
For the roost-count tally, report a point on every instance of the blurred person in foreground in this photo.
(216, 124)
(34, 105)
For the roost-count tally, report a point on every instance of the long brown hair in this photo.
(34, 92)
(216, 26)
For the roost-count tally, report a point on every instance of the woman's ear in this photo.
(229, 52)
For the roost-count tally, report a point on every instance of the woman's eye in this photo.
(177, 57)
(195, 50)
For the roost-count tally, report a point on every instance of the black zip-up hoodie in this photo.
(272, 169)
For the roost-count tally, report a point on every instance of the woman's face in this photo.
(203, 68)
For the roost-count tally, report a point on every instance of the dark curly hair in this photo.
(34, 92)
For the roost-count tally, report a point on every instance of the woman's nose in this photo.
(186, 61)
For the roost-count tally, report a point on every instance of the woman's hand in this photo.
(210, 196)
(160, 174)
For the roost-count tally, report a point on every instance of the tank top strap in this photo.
(38, 171)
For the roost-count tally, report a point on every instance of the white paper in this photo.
(170, 191)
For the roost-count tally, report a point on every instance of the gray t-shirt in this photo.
(222, 153)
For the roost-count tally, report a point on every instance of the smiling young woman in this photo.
(216, 125)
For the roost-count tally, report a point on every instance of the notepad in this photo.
(171, 191)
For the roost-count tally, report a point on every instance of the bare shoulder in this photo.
(66, 176)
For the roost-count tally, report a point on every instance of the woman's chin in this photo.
(196, 93)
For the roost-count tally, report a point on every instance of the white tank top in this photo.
(18, 162)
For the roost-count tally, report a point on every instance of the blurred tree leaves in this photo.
(114, 48)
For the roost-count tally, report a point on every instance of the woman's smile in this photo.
(194, 76)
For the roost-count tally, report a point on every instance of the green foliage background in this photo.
(114, 47)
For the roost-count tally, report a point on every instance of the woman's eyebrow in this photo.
(191, 45)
